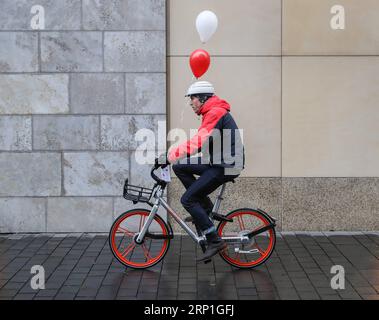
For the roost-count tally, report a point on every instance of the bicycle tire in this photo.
(264, 217)
(166, 228)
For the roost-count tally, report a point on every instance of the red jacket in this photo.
(213, 110)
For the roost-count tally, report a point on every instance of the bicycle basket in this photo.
(136, 193)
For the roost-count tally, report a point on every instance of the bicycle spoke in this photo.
(259, 249)
(146, 252)
(121, 242)
(128, 249)
(242, 224)
(126, 232)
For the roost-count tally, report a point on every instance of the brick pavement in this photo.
(81, 266)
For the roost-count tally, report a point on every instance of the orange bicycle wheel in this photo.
(254, 252)
(124, 232)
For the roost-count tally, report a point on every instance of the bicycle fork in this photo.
(142, 233)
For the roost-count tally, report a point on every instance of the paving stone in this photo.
(365, 290)
(87, 292)
(107, 292)
(186, 296)
(4, 293)
(13, 285)
(127, 292)
(24, 296)
(65, 296)
(330, 297)
(187, 288)
(46, 293)
(246, 291)
(147, 296)
(249, 297)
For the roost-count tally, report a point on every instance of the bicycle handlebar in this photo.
(155, 177)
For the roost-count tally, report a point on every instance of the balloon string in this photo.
(182, 115)
(182, 112)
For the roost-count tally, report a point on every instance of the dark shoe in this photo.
(215, 245)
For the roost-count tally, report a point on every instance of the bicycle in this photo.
(140, 238)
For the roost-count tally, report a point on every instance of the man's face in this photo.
(195, 104)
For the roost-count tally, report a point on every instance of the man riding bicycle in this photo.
(222, 160)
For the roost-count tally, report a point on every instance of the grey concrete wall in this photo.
(71, 98)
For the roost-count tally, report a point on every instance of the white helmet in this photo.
(200, 87)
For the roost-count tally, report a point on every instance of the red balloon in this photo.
(199, 62)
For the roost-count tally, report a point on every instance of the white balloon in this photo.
(206, 25)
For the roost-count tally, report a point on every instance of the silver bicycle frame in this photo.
(171, 211)
(216, 206)
(157, 195)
